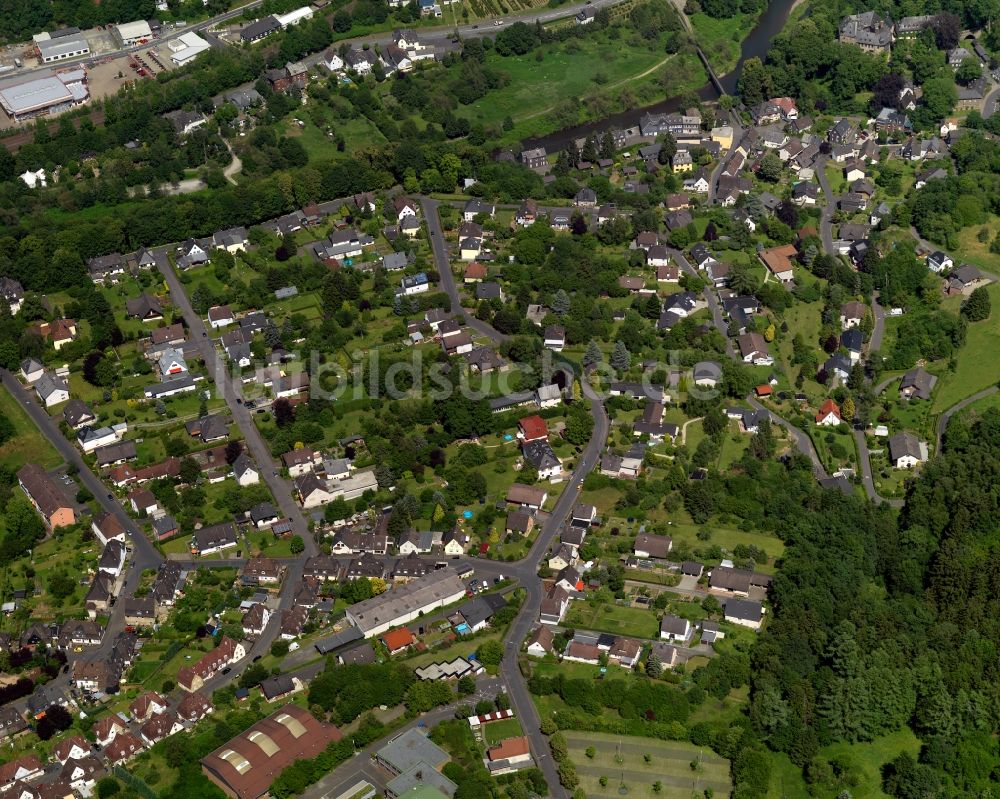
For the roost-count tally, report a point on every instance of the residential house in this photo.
(45, 496)
(906, 450)
(829, 414)
(12, 293)
(214, 539)
(228, 652)
(869, 31)
(917, 384)
(743, 612)
(535, 158)
(32, 370)
(778, 262)
(648, 545)
(105, 269)
(541, 455)
(966, 279)
(147, 705)
(123, 748)
(674, 628)
(526, 496)
(852, 314)
(939, 262)
(555, 338)
(144, 307)
(160, 727)
(51, 389)
(753, 349)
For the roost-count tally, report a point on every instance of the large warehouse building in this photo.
(185, 47)
(60, 45)
(129, 33)
(406, 602)
(245, 767)
(43, 93)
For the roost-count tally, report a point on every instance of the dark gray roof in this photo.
(326, 645)
(745, 609)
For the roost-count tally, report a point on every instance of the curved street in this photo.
(944, 418)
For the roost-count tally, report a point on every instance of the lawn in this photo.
(573, 70)
(358, 134)
(497, 731)
(615, 619)
(734, 444)
(28, 443)
(978, 367)
(866, 761)
(728, 538)
(802, 319)
(970, 248)
(622, 759)
(721, 39)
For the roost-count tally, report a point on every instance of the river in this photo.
(755, 44)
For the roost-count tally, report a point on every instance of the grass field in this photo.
(865, 759)
(802, 319)
(497, 731)
(721, 39)
(970, 248)
(565, 72)
(978, 366)
(622, 759)
(28, 443)
(613, 619)
(359, 134)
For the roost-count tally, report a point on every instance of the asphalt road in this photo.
(802, 441)
(361, 767)
(526, 570)
(990, 103)
(714, 306)
(944, 418)
(878, 329)
(231, 391)
(173, 34)
(867, 479)
(443, 266)
(143, 554)
(829, 207)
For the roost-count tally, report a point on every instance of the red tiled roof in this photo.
(533, 427)
(246, 766)
(509, 747)
(397, 639)
(826, 409)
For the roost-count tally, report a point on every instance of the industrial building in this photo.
(130, 33)
(405, 603)
(43, 93)
(185, 47)
(245, 767)
(295, 17)
(60, 45)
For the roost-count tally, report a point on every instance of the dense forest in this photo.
(879, 625)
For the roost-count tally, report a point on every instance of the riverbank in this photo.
(572, 89)
(755, 44)
(721, 40)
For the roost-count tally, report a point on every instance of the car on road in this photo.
(226, 670)
(111, 497)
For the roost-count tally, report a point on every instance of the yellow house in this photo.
(682, 161)
(723, 134)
